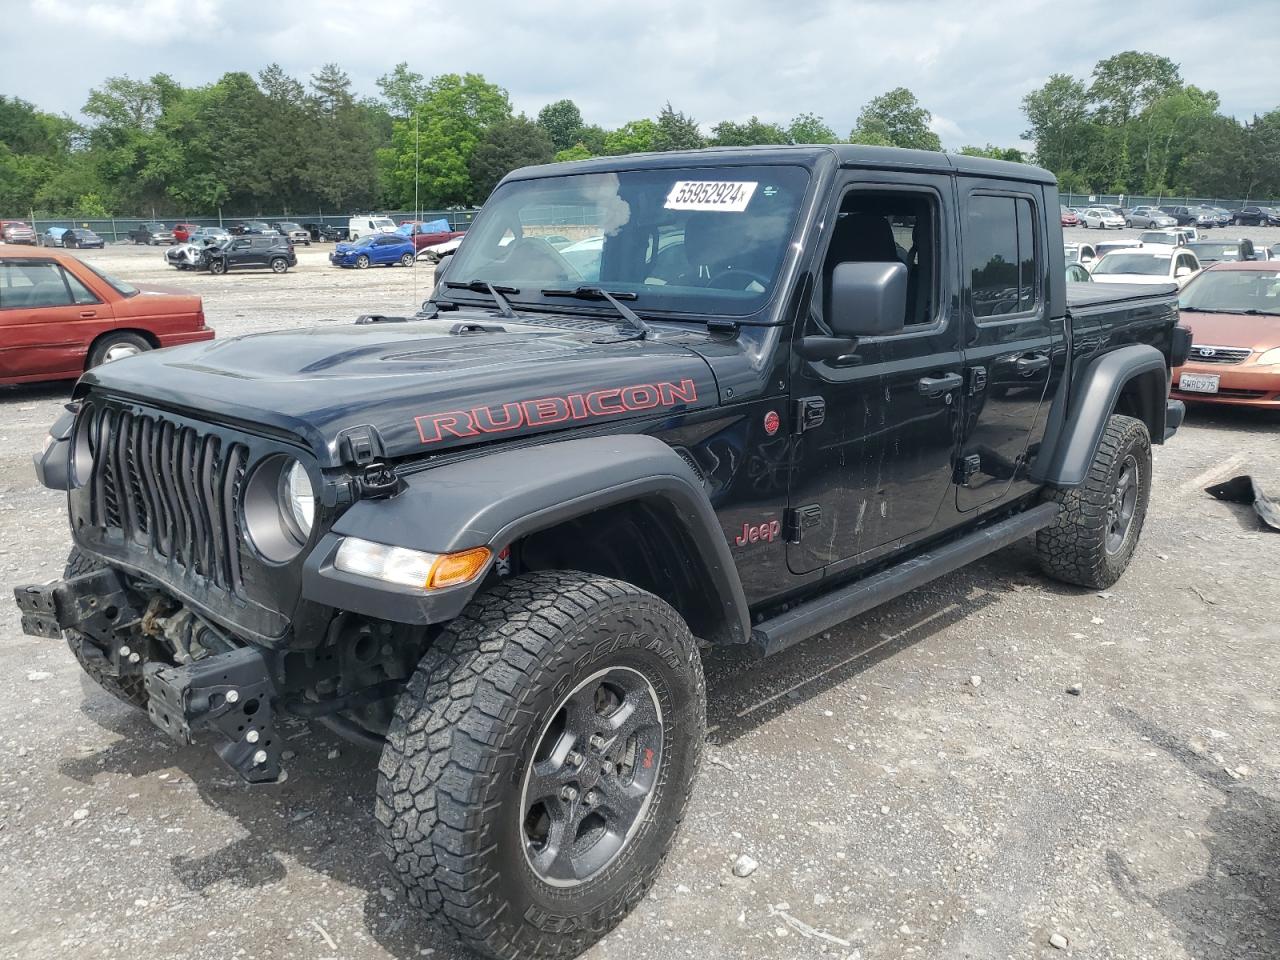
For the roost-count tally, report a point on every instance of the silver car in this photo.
(1149, 218)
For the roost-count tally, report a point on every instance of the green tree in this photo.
(1129, 82)
(726, 133)
(634, 136)
(340, 161)
(505, 146)
(442, 134)
(676, 131)
(810, 128)
(402, 89)
(577, 152)
(562, 122)
(995, 153)
(1059, 124)
(897, 119)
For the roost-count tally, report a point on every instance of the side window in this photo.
(80, 294)
(240, 245)
(887, 227)
(1000, 255)
(27, 285)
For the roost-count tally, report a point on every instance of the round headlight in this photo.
(297, 494)
(279, 508)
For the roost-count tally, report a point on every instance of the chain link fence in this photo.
(1128, 202)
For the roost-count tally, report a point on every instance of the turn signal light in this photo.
(452, 569)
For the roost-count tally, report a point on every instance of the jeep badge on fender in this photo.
(492, 539)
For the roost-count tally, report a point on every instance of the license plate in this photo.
(1198, 383)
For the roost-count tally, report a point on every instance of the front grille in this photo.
(1206, 353)
(169, 488)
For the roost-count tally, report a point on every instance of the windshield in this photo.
(1233, 290)
(122, 288)
(1215, 251)
(1155, 238)
(384, 222)
(694, 240)
(365, 241)
(289, 226)
(1138, 263)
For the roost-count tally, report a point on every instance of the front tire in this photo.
(362, 262)
(217, 266)
(130, 690)
(1097, 530)
(540, 761)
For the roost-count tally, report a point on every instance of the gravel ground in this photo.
(918, 783)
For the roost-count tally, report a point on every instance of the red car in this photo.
(413, 229)
(59, 316)
(182, 231)
(1069, 218)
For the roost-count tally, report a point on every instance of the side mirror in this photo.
(442, 265)
(868, 299)
(1181, 272)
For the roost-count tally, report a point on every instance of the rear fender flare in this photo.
(496, 499)
(1072, 438)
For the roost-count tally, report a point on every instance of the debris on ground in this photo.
(744, 866)
(1245, 489)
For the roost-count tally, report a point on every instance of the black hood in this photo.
(421, 386)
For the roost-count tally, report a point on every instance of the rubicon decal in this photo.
(544, 411)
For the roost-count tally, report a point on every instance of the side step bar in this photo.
(807, 619)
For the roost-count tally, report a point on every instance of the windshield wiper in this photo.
(484, 286)
(633, 319)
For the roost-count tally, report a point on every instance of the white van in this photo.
(358, 227)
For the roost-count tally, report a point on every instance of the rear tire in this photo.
(489, 767)
(279, 265)
(117, 346)
(1097, 530)
(130, 690)
(406, 260)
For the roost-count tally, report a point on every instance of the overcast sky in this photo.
(969, 63)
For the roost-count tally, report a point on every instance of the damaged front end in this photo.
(199, 683)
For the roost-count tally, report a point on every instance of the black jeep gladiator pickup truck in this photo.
(655, 405)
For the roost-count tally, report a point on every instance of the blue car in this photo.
(384, 248)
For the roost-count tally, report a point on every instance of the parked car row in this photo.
(1170, 215)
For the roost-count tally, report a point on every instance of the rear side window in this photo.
(1000, 255)
(79, 292)
(28, 285)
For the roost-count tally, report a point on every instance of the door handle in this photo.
(88, 314)
(1029, 365)
(937, 386)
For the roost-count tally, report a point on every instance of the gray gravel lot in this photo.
(917, 783)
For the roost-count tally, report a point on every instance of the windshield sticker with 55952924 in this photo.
(729, 196)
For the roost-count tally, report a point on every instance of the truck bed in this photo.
(1087, 297)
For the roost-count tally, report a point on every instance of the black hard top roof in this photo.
(846, 154)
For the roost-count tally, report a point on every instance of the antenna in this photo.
(417, 206)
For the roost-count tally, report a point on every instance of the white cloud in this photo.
(969, 64)
(134, 21)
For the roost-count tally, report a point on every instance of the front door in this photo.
(1010, 350)
(879, 464)
(47, 319)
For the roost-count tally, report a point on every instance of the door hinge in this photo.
(977, 380)
(969, 467)
(796, 520)
(810, 413)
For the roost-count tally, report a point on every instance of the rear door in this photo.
(874, 462)
(1013, 350)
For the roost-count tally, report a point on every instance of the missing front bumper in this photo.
(228, 695)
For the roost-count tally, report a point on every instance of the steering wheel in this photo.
(729, 275)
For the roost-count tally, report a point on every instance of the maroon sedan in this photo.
(59, 316)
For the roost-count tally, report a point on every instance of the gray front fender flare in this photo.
(495, 499)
